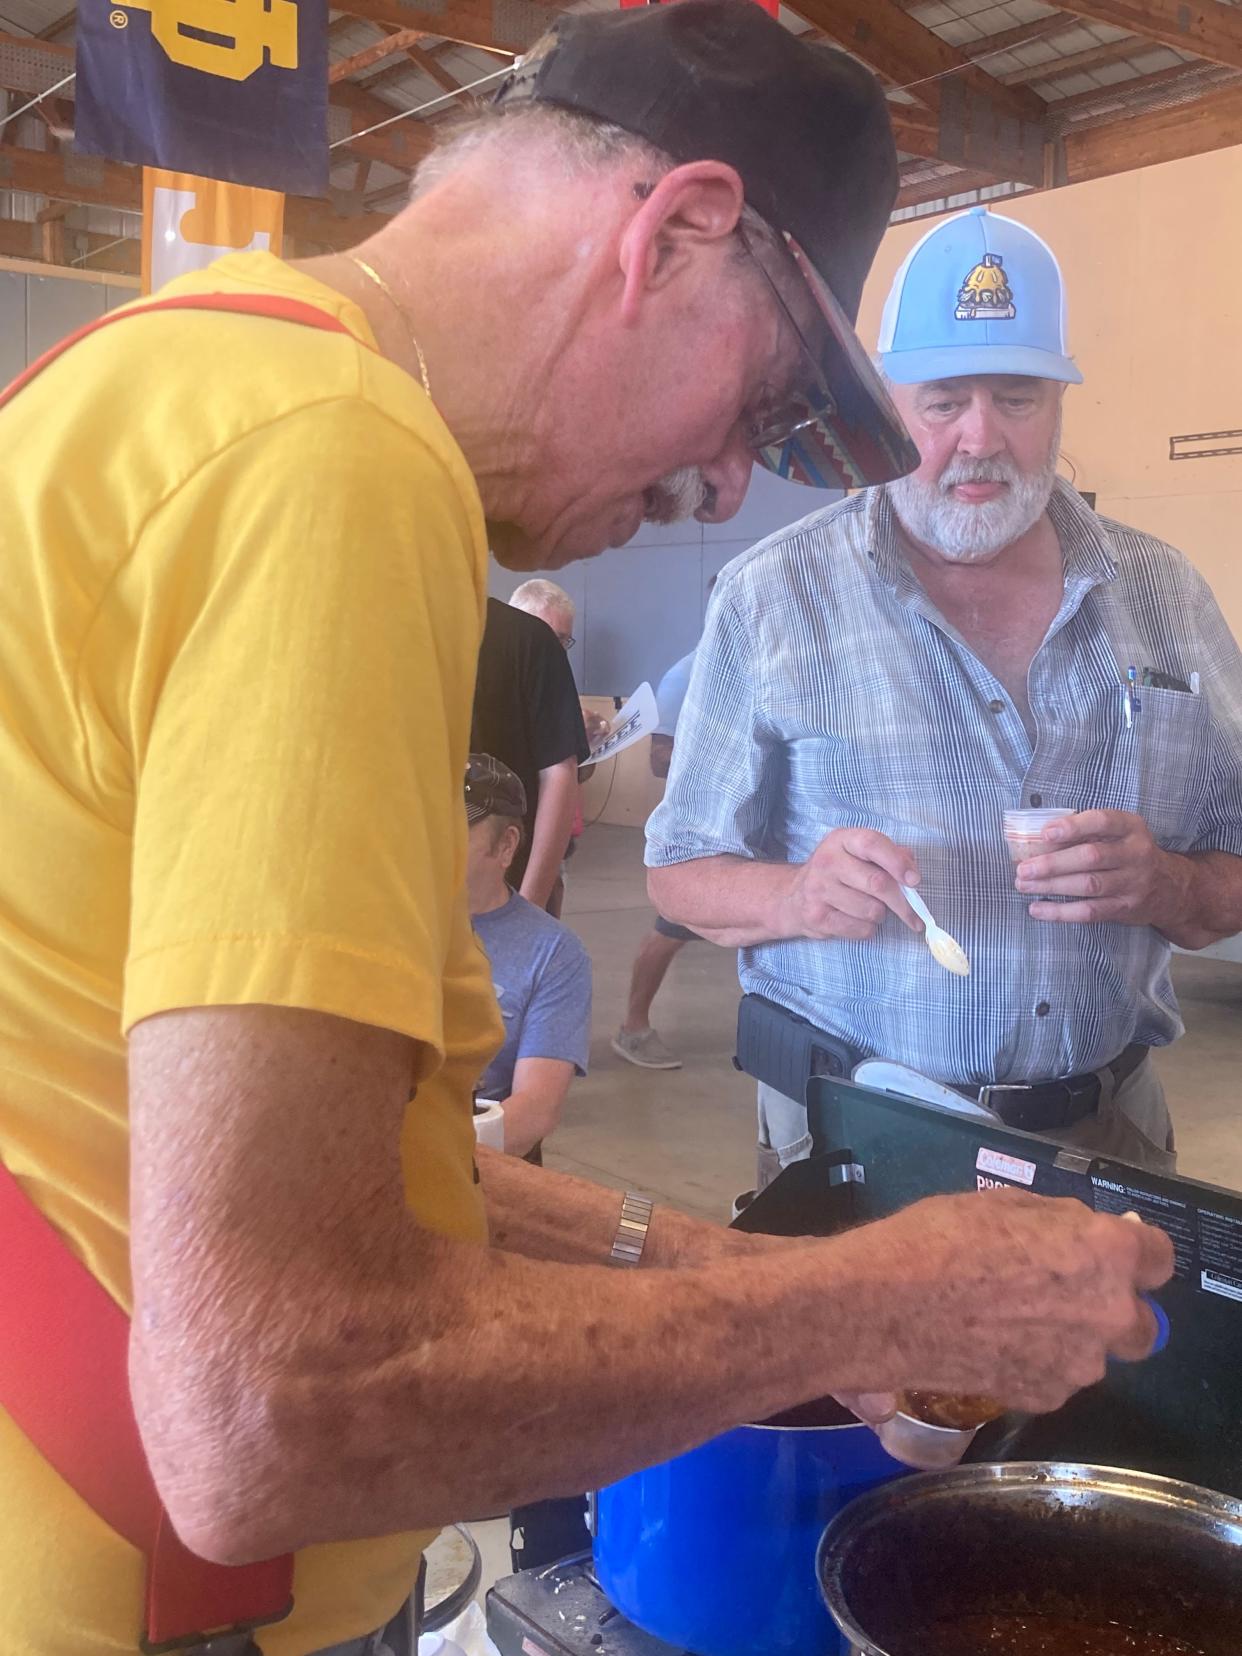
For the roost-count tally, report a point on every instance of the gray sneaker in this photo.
(645, 1049)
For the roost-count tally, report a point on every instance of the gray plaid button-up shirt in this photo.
(828, 691)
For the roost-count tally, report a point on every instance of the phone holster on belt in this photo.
(785, 1051)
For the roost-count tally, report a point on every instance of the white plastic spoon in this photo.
(945, 949)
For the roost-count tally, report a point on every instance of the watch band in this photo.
(631, 1238)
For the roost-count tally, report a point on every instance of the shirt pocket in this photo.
(1172, 765)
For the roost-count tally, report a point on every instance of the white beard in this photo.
(966, 533)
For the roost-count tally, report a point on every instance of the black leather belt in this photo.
(1049, 1106)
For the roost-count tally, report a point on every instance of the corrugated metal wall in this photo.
(36, 311)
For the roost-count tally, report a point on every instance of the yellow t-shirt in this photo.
(244, 577)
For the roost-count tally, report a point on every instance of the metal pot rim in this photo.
(767, 1426)
(1169, 1493)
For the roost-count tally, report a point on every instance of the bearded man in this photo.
(878, 684)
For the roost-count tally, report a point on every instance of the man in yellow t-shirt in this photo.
(240, 1007)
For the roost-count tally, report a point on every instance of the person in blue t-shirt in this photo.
(540, 970)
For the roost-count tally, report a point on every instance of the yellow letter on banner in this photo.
(189, 223)
(245, 31)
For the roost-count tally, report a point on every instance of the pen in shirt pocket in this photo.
(1131, 701)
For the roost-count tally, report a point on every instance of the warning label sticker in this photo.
(1175, 1217)
(1213, 1283)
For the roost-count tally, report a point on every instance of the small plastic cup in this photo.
(489, 1123)
(1022, 832)
(931, 1448)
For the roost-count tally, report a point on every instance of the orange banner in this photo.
(189, 222)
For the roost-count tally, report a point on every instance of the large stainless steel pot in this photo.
(1035, 1538)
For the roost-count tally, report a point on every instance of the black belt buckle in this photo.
(1046, 1107)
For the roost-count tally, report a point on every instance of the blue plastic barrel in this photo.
(714, 1552)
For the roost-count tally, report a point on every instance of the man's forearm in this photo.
(554, 822)
(728, 900)
(1207, 901)
(547, 1215)
(406, 1374)
(307, 1364)
(530, 1116)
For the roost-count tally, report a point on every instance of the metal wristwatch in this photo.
(631, 1238)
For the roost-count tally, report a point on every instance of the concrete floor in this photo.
(688, 1136)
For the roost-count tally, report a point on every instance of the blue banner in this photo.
(228, 89)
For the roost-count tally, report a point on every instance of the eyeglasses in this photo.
(566, 640)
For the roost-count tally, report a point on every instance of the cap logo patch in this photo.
(985, 295)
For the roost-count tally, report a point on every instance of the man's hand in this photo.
(596, 725)
(1109, 862)
(851, 881)
(1002, 1295)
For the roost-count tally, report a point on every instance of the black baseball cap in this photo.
(492, 789)
(807, 130)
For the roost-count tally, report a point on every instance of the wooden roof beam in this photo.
(1204, 27)
(25, 241)
(910, 55)
(92, 182)
(1209, 123)
(1021, 34)
(1091, 57)
(1121, 97)
(423, 59)
(369, 56)
(511, 27)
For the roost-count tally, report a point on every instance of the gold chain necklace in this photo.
(374, 276)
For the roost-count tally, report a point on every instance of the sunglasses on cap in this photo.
(836, 428)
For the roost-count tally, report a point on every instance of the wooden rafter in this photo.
(910, 55)
(1209, 123)
(438, 73)
(421, 58)
(1021, 34)
(1205, 27)
(511, 27)
(65, 21)
(1117, 98)
(915, 129)
(401, 144)
(396, 43)
(95, 183)
(25, 241)
(1091, 57)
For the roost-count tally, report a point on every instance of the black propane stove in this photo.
(561, 1610)
(1178, 1415)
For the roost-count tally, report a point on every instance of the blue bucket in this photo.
(714, 1552)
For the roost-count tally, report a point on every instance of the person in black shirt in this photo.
(526, 713)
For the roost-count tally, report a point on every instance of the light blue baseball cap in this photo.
(979, 294)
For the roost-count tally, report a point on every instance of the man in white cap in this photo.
(879, 684)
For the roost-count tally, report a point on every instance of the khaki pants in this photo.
(1131, 1124)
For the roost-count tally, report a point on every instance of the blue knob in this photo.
(1162, 1322)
